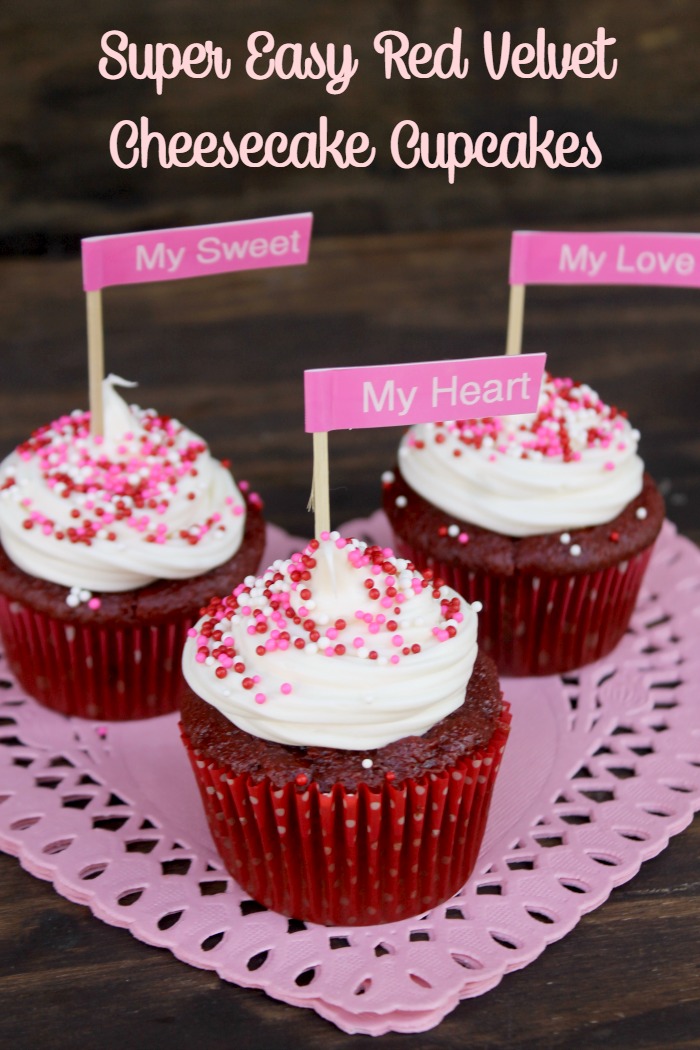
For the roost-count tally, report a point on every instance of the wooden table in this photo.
(226, 356)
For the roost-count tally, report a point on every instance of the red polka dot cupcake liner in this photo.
(355, 858)
(539, 625)
(100, 671)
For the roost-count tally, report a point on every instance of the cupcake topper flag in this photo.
(184, 251)
(419, 392)
(671, 259)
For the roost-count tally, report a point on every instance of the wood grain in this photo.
(58, 182)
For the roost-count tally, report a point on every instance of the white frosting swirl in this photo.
(572, 465)
(329, 660)
(145, 502)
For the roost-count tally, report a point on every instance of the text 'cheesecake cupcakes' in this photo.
(548, 520)
(109, 548)
(345, 734)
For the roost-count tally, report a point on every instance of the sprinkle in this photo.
(388, 477)
(575, 550)
(453, 530)
(367, 763)
(641, 513)
(565, 538)
(401, 501)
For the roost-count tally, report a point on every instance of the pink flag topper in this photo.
(671, 259)
(423, 392)
(195, 251)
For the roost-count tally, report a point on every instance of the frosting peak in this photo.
(342, 645)
(572, 464)
(146, 501)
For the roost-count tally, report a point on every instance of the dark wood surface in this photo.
(58, 182)
(226, 355)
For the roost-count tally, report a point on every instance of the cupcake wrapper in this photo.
(101, 672)
(352, 858)
(537, 625)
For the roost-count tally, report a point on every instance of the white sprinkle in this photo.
(453, 530)
(334, 535)
(388, 477)
(565, 538)
(641, 513)
(401, 501)
(575, 550)
(72, 600)
(367, 763)
(476, 606)
(84, 595)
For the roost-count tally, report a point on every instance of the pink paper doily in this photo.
(111, 815)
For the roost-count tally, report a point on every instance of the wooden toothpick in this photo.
(319, 501)
(516, 313)
(96, 364)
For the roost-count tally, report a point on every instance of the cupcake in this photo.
(547, 520)
(345, 734)
(109, 548)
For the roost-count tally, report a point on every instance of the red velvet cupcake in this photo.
(345, 735)
(109, 549)
(548, 521)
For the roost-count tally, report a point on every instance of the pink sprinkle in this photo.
(251, 630)
(386, 603)
(609, 465)
(358, 642)
(394, 659)
(94, 603)
(331, 633)
(325, 535)
(285, 688)
(397, 640)
(260, 698)
(463, 537)
(329, 651)
(191, 633)
(374, 628)
(200, 657)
